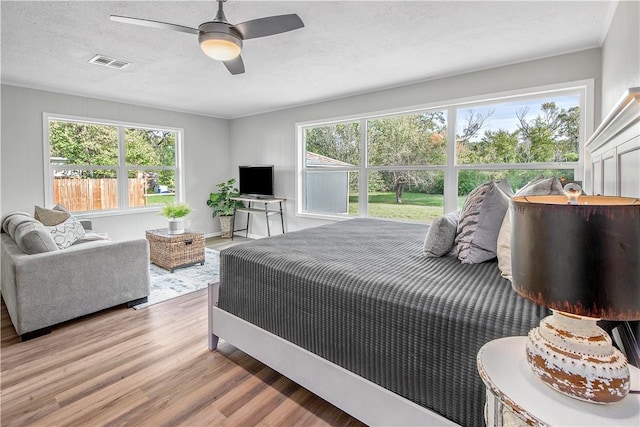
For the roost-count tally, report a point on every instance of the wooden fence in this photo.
(80, 194)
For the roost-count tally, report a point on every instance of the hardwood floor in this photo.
(148, 367)
(219, 243)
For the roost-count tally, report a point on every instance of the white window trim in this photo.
(585, 87)
(122, 167)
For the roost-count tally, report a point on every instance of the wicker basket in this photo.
(171, 251)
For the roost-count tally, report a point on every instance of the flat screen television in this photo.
(256, 181)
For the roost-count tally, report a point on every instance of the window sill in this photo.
(101, 214)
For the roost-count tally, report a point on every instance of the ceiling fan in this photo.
(222, 40)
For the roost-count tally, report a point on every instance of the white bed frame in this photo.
(362, 399)
(613, 154)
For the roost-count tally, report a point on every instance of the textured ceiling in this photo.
(346, 47)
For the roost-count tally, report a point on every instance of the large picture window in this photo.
(97, 166)
(417, 165)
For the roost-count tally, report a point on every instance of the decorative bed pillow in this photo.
(537, 187)
(480, 221)
(441, 235)
(67, 233)
(541, 186)
(50, 217)
(60, 207)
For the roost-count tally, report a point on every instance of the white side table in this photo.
(262, 207)
(515, 396)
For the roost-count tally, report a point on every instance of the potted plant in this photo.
(223, 206)
(176, 213)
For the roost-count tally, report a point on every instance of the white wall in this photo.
(214, 148)
(271, 137)
(621, 54)
(206, 154)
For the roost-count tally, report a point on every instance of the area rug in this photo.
(166, 285)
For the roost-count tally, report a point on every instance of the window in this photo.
(403, 171)
(417, 165)
(520, 139)
(97, 166)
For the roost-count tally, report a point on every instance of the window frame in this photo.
(122, 169)
(585, 88)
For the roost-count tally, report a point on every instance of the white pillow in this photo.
(537, 187)
(67, 233)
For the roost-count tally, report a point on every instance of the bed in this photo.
(354, 312)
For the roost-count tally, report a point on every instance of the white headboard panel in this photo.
(613, 151)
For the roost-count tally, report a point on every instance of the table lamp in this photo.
(580, 257)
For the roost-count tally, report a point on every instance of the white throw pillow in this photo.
(537, 187)
(67, 233)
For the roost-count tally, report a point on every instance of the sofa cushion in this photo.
(33, 238)
(480, 221)
(67, 233)
(50, 217)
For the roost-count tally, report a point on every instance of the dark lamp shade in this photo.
(580, 259)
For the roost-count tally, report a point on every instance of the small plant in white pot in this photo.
(223, 206)
(176, 213)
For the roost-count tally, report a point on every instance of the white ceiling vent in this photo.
(108, 62)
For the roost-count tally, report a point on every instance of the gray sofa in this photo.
(43, 285)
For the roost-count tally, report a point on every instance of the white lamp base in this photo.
(575, 357)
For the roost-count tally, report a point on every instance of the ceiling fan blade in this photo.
(268, 26)
(154, 24)
(235, 65)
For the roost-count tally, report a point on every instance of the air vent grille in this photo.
(108, 62)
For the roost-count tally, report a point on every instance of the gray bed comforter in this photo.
(360, 294)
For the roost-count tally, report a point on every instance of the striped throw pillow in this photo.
(480, 221)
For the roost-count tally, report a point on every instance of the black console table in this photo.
(258, 206)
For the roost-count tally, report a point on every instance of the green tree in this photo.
(553, 136)
(146, 147)
(340, 142)
(569, 130)
(469, 150)
(403, 141)
(84, 144)
(139, 151)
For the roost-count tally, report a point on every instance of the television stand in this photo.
(258, 206)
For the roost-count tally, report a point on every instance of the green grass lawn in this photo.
(160, 199)
(415, 206)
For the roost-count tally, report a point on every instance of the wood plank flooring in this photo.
(148, 367)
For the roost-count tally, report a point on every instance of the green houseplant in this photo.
(223, 206)
(176, 213)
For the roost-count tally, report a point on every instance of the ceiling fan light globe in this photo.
(222, 50)
(217, 42)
